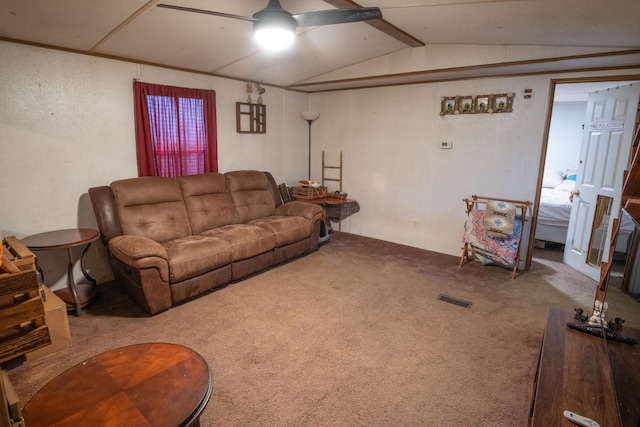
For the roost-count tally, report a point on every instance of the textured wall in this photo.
(410, 190)
(67, 124)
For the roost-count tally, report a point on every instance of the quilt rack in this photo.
(491, 249)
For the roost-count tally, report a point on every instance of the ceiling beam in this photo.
(607, 61)
(380, 24)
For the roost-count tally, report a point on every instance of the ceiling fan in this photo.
(275, 28)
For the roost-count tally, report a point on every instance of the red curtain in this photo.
(175, 130)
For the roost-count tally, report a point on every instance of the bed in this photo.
(554, 210)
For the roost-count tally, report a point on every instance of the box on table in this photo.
(14, 251)
(55, 315)
(309, 192)
(22, 324)
(10, 412)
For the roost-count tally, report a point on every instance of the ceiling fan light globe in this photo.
(274, 28)
(274, 39)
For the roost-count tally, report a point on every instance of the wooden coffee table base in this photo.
(154, 384)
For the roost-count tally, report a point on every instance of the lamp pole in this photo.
(310, 117)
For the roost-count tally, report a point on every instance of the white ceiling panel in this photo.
(175, 38)
(314, 53)
(542, 22)
(73, 24)
(138, 30)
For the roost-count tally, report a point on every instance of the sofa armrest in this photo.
(275, 191)
(137, 247)
(104, 207)
(140, 252)
(303, 209)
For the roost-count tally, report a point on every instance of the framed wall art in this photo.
(503, 103)
(477, 104)
(483, 104)
(465, 105)
(449, 105)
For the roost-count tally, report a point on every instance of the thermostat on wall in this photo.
(446, 144)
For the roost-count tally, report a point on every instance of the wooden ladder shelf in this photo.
(338, 168)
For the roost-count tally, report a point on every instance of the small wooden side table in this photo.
(336, 209)
(150, 384)
(76, 295)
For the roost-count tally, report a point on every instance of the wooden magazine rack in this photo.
(480, 203)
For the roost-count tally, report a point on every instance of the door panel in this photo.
(583, 212)
(590, 159)
(614, 161)
(606, 147)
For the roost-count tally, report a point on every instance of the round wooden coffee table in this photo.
(155, 384)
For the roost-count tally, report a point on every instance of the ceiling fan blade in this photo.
(205, 12)
(337, 16)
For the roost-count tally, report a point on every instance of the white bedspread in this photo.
(555, 207)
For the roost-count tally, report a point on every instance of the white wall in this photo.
(67, 124)
(395, 168)
(565, 135)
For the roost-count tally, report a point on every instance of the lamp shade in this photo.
(310, 115)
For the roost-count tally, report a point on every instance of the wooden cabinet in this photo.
(587, 375)
(251, 118)
(631, 189)
(631, 204)
(22, 317)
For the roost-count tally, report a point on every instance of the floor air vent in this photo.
(454, 301)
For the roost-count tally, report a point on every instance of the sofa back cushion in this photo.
(151, 207)
(208, 201)
(251, 194)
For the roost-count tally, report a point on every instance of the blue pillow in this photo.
(571, 177)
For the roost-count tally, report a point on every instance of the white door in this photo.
(604, 155)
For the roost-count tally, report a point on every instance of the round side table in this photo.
(76, 295)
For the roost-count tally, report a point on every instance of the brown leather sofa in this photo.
(172, 239)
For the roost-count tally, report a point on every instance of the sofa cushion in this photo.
(208, 202)
(286, 229)
(151, 207)
(195, 255)
(246, 240)
(251, 194)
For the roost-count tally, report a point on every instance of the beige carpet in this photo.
(353, 335)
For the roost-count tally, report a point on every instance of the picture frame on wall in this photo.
(466, 105)
(477, 104)
(449, 106)
(503, 103)
(483, 104)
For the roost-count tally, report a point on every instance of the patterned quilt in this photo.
(491, 249)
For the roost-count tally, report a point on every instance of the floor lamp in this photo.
(310, 117)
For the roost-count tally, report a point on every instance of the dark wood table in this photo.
(76, 295)
(153, 384)
(588, 375)
(336, 209)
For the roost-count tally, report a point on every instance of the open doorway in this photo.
(561, 157)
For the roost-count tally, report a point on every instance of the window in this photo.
(175, 130)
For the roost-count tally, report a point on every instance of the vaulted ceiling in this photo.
(138, 30)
